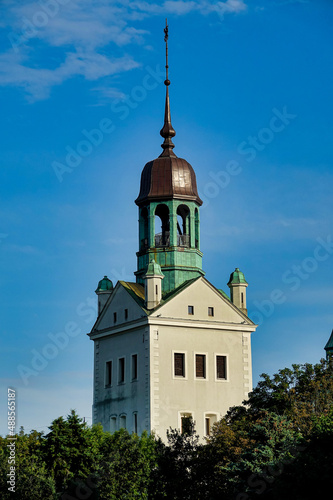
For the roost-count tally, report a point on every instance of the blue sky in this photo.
(82, 100)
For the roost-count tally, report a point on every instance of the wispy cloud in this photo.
(37, 82)
(180, 7)
(91, 37)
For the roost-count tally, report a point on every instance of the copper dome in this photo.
(166, 178)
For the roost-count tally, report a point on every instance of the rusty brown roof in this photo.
(168, 177)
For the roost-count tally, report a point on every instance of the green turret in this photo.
(238, 284)
(329, 347)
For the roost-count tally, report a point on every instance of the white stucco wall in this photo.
(122, 398)
(157, 396)
(177, 395)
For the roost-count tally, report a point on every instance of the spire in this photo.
(167, 131)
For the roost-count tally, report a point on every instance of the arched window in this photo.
(183, 226)
(197, 227)
(162, 226)
(144, 228)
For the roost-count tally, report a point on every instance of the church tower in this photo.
(169, 345)
(169, 222)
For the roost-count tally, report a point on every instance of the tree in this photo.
(178, 464)
(301, 393)
(309, 476)
(31, 476)
(69, 451)
(127, 464)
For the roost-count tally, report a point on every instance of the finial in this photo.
(166, 38)
(167, 131)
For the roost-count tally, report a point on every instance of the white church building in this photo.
(169, 345)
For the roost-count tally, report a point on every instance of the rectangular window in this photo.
(179, 359)
(221, 367)
(156, 289)
(200, 365)
(135, 422)
(126, 313)
(186, 424)
(122, 422)
(207, 425)
(121, 371)
(210, 420)
(210, 311)
(108, 373)
(115, 317)
(113, 424)
(191, 310)
(134, 366)
(242, 296)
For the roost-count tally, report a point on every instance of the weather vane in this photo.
(166, 38)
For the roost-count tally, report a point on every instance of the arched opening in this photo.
(162, 226)
(196, 227)
(183, 226)
(144, 229)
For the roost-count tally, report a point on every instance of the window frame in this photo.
(122, 420)
(207, 427)
(179, 377)
(134, 364)
(226, 356)
(113, 423)
(211, 310)
(212, 417)
(205, 354)
(108, 373)
(135, 422)
(190, 308)
(121, 371)
(184, 414)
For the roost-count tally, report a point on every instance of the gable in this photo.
(202, 295)
(124, 297)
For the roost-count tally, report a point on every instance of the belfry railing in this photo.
(163, 240)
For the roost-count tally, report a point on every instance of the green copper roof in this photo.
(222, 292)
(104, 285)
(329, 345)
(237, 277)
(154, 269)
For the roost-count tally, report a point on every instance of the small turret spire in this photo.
(167, 131)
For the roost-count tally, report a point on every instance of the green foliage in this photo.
(67, 450)
(279, 444)
(301, 393)
(126, 470)
(31, 476)
(309, 476)
(178, 464)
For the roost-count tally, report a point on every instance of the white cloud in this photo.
(232, 6)
(82, 30)
(180, 7)
(37, 82)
